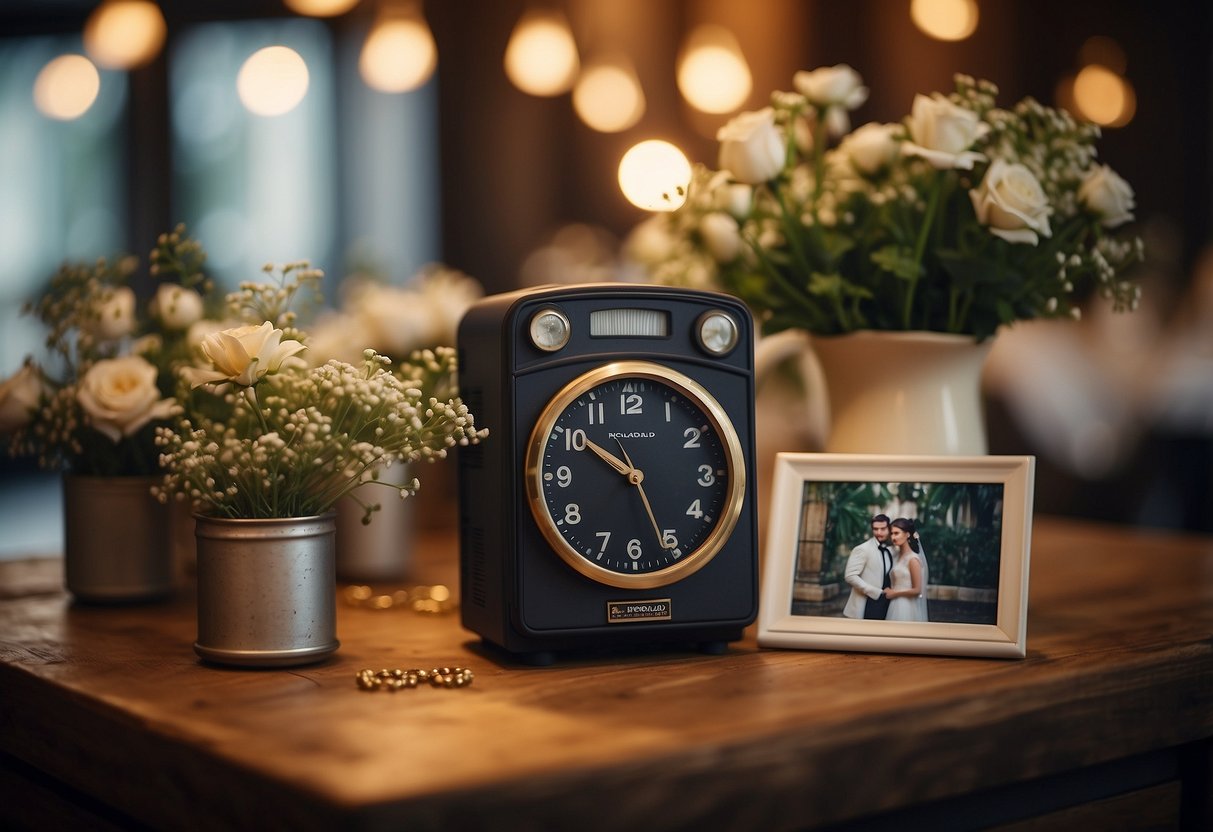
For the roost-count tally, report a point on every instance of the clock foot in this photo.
(713, 648)
(538, 658)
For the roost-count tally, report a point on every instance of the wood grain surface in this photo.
(113, 703)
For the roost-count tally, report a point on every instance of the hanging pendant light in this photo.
(713, 75)
(399, 54)
(608, 96)
(541, 56)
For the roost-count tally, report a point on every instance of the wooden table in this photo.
(107, 717)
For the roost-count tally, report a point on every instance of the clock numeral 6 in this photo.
(634, 551)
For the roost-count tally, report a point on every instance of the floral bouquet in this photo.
(961, 218)
(109, 378)
(265, 435)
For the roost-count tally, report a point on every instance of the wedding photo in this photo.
(899, 554)
(898, 551)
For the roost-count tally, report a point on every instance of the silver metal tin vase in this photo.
(381, 550)
(267, 594)
(115, 540)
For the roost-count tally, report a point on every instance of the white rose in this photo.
(751, 147)
(1108, 196)
(834, 89)
(120, 396)
(942, 133)
(20, 394)
(721, 236)
(242, 355)
(116, 315)
(176, 306)
(1011, 202)
(871, 146)
(827, 86)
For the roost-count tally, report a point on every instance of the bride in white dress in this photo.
(908, 577)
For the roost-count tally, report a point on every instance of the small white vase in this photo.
(381, 550)
(904, 392)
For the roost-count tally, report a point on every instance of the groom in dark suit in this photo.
(868, 573)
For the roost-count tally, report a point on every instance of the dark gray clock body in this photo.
(613, 502)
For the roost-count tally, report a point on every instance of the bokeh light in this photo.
(713, 75)
(654, 175)
(541, 57)
(320, 8)
(272, 81)
(66, 87)
(1104, 97)
(399, 55)
(945, 19)
(608, 96)
(124, 34)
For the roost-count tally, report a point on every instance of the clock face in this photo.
(635, 475)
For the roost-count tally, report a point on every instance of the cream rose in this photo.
(1108, 196)
(834, 89)
(176, 306)
(871, 146)
(115, 316)
(721, 236)
(119, 396)
(242, 355)
(20, 394)
(1012, 204)
(942, 133)
(751, 147)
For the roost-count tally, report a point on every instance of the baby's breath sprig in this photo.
(272, 299)
(311, 436)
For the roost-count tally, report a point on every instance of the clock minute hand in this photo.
(609, 458)
(636, 477)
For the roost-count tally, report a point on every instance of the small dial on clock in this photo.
(635, 475)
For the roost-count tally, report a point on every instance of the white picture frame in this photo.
(800, 605)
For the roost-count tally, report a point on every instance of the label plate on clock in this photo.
(655, 609)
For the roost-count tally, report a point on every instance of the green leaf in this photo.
(835, 286)
(898, 261)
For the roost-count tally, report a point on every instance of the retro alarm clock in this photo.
(613, 503)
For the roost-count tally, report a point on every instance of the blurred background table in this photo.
(107, 718)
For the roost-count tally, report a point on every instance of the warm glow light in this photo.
(123, 34)
(713, 74)
(608, 97)
(945, 19)
(1104, 97)
(541, 57)
(654, 175)
(399, 55)
(320, 8)
(272, 81)
(66, 87)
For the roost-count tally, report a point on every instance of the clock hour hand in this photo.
(609, 458)
(636, 477)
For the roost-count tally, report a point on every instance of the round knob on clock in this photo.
(550, 329)
(717, 332)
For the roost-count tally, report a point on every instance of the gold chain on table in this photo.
(396, 679)
(430, 600)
